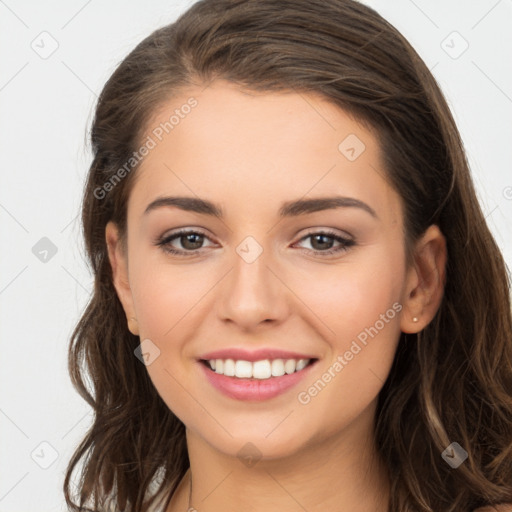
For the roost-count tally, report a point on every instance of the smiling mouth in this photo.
(257, 370)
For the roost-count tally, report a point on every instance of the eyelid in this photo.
(328, 231)
(174, 234)
(185, 230)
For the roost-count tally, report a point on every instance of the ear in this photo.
(119, 263)
(425, 281)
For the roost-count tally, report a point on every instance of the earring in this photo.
(414, 319)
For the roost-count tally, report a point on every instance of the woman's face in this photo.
(304, 261)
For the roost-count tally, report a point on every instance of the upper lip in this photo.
(240, 354)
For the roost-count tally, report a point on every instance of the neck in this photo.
(340, 472)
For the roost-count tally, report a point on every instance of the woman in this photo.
(298, 304)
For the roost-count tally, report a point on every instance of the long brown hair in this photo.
(450, 382)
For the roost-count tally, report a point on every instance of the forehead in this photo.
(246, 147)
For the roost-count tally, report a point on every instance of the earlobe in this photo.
(119, 264)
(425, 281)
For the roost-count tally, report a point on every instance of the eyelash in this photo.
(166, 240)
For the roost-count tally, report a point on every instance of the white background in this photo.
(46, 108)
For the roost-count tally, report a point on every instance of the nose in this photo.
(252, 294)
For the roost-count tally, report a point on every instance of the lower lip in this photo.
(254, 389)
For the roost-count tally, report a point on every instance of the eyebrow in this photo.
(288, 209)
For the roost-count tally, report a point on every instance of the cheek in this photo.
(360, 303)
(352, 296)
(166, 299)
(165, 293)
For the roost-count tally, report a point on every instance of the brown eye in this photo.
(188, 242)
(322, 243)
(191, 241)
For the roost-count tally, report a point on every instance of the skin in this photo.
(250, 152)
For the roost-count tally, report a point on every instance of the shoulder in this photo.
(504, 507)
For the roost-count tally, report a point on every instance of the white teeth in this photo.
(243, 369)
(301, 364)
(289, 366)
(264, 369)
(229, 368)
(277, 368)
(261, 369)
